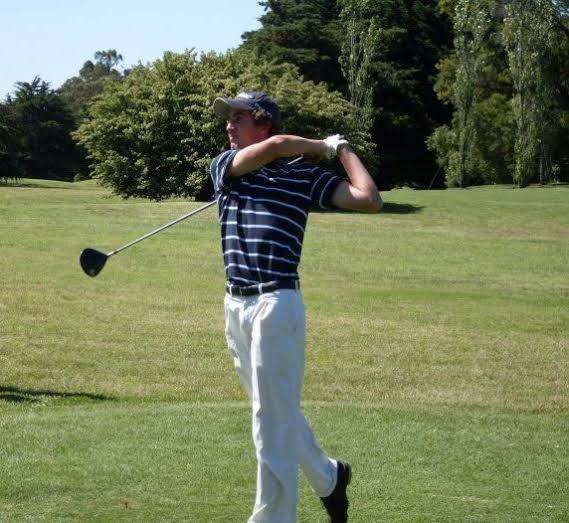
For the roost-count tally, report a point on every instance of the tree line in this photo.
(433, 93)
(37, 122)
(507, 80)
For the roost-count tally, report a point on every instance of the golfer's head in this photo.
(251, 118)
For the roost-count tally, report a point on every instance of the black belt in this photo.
(254, 290)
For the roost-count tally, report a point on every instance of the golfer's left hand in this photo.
(333, 143)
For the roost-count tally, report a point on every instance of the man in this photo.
(264, 202)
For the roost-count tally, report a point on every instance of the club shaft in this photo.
(156, 231)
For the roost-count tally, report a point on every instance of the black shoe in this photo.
(337, 503)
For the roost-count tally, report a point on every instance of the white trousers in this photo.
(265, 336)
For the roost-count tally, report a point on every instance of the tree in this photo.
(413, 37)
(9, 169)
(471, 24)
(558, 73)
(78, 91)
(528, 35)
(154, 134)
(38, 124)
(108, 60)
(474, 79)
(359, 48)
(305, 33)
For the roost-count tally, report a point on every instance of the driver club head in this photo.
(92, 261)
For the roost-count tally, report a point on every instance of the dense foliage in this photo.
(413, 37)
(155, 133)
(507, 81)
(35, 141)
(306, 33)
(388, 49)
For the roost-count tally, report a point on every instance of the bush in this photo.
(155, 134)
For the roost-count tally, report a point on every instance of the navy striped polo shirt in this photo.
(263, 215)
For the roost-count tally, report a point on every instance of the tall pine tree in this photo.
(413, 36)
(305, 33)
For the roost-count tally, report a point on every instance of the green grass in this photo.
(437, 359)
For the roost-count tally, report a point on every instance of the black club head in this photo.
(92, 261)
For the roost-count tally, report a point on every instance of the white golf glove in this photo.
(332, 144)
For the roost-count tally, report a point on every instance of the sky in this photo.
(54, 39)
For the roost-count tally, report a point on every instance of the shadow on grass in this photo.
(559, 185)
(400, 208)
(35, 185)
(387, 208)
(18, 395)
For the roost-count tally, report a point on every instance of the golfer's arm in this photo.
(258, 154)
(360, 193)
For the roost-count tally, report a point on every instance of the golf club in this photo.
(92, 261)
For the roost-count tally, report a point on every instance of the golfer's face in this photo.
(242, 131)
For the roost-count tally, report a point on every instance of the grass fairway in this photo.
(437, 359)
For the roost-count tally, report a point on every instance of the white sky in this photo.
(54, 39)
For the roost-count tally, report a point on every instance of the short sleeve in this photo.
(218, 170)
(323, 185)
